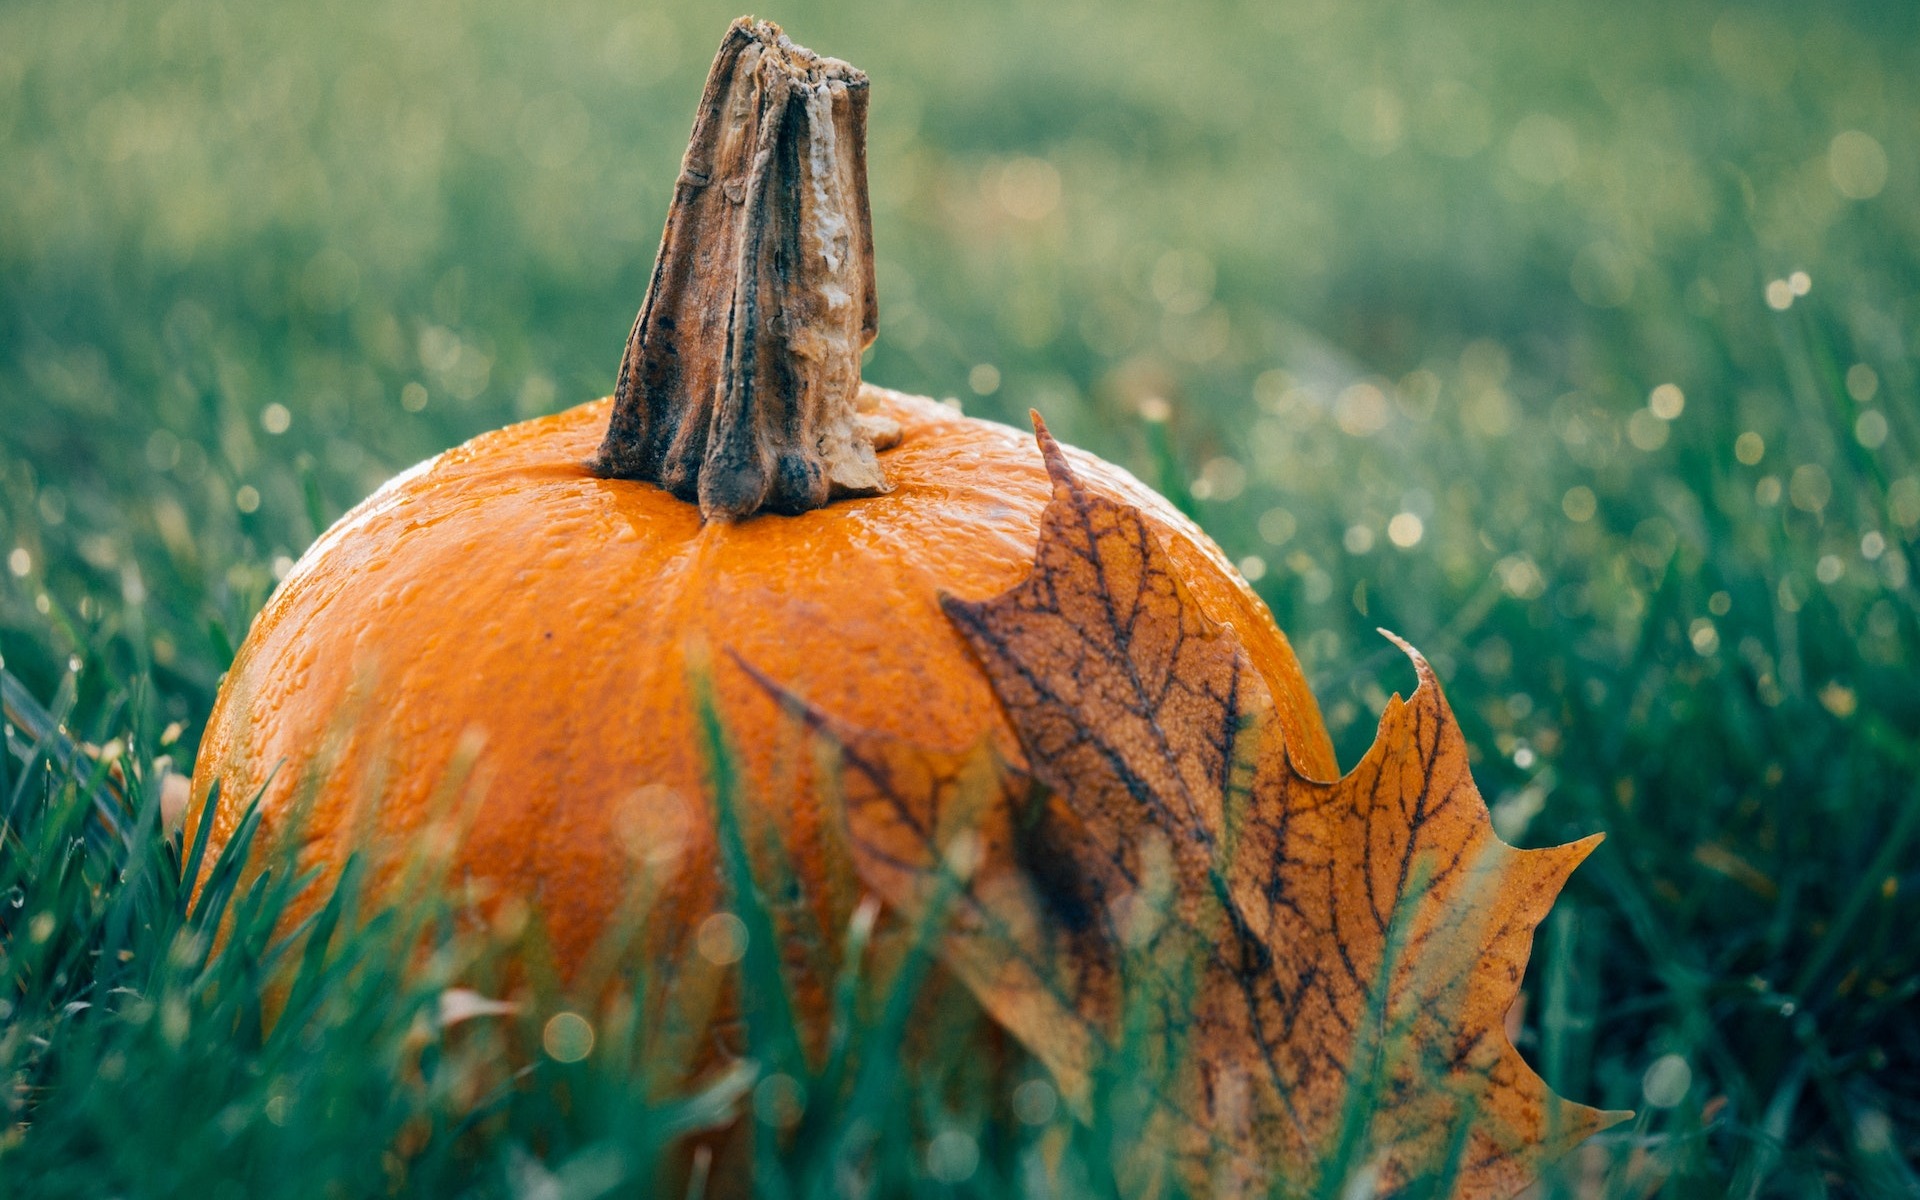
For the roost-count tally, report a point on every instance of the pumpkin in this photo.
(526, 618)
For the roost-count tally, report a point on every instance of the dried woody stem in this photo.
(741, 380)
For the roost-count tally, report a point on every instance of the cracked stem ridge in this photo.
(741, 381)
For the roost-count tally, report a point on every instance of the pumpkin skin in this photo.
(502, 605)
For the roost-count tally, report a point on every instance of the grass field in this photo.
(1575, 343)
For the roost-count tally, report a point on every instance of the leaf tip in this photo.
(1050, 449)
(1549, 867)
(1422, 669)
(962, 612)
(1569, 854)
(1580, 1122)
(1577, 851)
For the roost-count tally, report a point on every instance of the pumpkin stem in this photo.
(740, 389)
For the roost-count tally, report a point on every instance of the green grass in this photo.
(1379, 268)
(148, 1057)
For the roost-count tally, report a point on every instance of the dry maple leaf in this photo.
(1302, 984)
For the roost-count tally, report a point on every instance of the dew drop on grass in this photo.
(1667, 1081)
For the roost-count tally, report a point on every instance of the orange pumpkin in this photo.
(521, 610)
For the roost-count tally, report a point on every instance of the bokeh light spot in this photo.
(1647, 431)
(780, 1101)
(1870, 429)
(952, 1156)
(1810, 487)
(1035, 1102)
(1277, 526)
(1405, 530)
(1361, 410)
(567, 1037)
(1705, 638)
(1579, 503)
(722, 939)
(1028, 188)
(1857, 164)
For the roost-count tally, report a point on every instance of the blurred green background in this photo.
(1573, 342)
